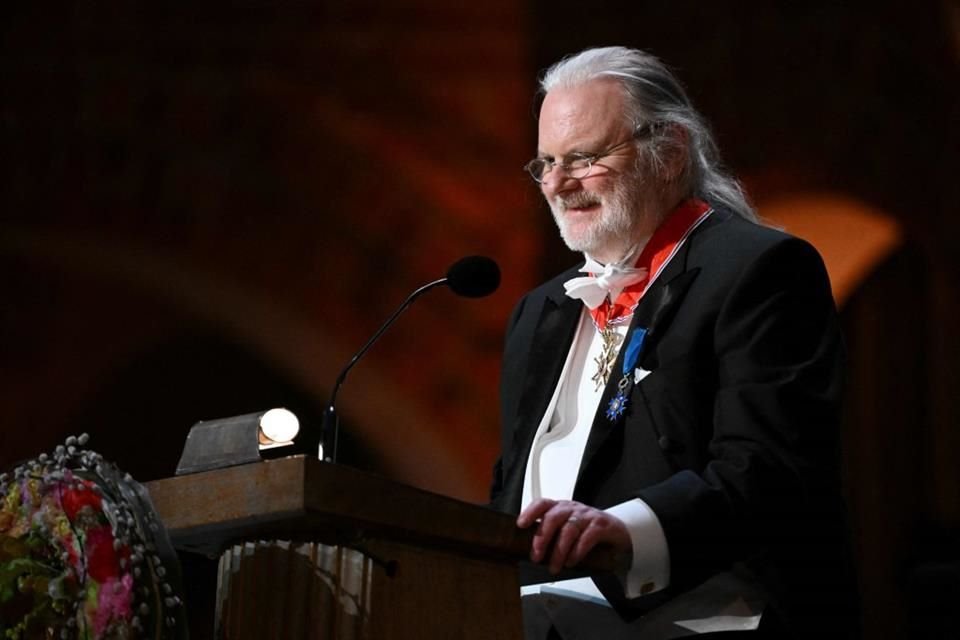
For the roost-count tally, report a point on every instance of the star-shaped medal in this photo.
(617, 406)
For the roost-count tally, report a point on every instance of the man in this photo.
(675, 396)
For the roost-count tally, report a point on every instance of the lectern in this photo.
(313, 550)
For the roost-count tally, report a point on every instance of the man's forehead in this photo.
(581, 113)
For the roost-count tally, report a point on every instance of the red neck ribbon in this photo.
(657, 253)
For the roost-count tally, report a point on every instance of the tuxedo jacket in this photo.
(732, 438)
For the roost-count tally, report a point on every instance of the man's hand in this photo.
(573, 528)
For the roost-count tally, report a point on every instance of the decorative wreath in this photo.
(82, 553)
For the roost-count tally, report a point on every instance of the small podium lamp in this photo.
(226, 442)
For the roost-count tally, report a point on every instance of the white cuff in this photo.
(650, 568)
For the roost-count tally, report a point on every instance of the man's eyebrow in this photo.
(574, 153)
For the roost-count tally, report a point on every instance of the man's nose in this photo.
(557, 181)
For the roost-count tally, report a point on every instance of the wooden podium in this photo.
(312, 550)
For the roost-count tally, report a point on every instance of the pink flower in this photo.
(114, 602)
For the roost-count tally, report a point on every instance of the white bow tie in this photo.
(607, 280)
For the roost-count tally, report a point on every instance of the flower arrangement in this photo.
(82, 556)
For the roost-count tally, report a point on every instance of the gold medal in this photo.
(608, 355)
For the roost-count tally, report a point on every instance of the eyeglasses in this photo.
(577, 165)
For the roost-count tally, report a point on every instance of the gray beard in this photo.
(621, 211)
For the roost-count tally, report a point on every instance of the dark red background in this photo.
(205, 210)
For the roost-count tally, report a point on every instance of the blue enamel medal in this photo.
(618, 403)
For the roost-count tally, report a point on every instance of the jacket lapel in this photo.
(556, 327)
(551, 344)
(654, 313)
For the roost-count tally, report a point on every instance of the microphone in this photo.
(473, 276)
(470, 277)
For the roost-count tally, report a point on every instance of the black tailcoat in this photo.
(732, 439)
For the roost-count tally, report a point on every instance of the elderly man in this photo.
(675, 396)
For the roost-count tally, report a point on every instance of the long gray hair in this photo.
(656, 98)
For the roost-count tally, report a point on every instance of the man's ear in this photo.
(675, 152)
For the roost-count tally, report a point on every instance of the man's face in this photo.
(598, 214)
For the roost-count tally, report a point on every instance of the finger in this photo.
(534, 512)
(603, 530)
(567, 537)
(589, 537)
(549, 527)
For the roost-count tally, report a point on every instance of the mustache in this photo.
(576, 201)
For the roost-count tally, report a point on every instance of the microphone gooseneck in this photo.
(472, 277)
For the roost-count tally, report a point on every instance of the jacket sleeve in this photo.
(772, 452)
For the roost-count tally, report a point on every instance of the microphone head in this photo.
(473, 276)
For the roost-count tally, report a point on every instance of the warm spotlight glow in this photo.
(278, 427)
(853, 238)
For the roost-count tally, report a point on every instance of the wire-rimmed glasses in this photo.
(577, 165)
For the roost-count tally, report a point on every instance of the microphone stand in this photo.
(330, 425)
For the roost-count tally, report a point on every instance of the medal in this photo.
(608, 355)
(618, 403)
